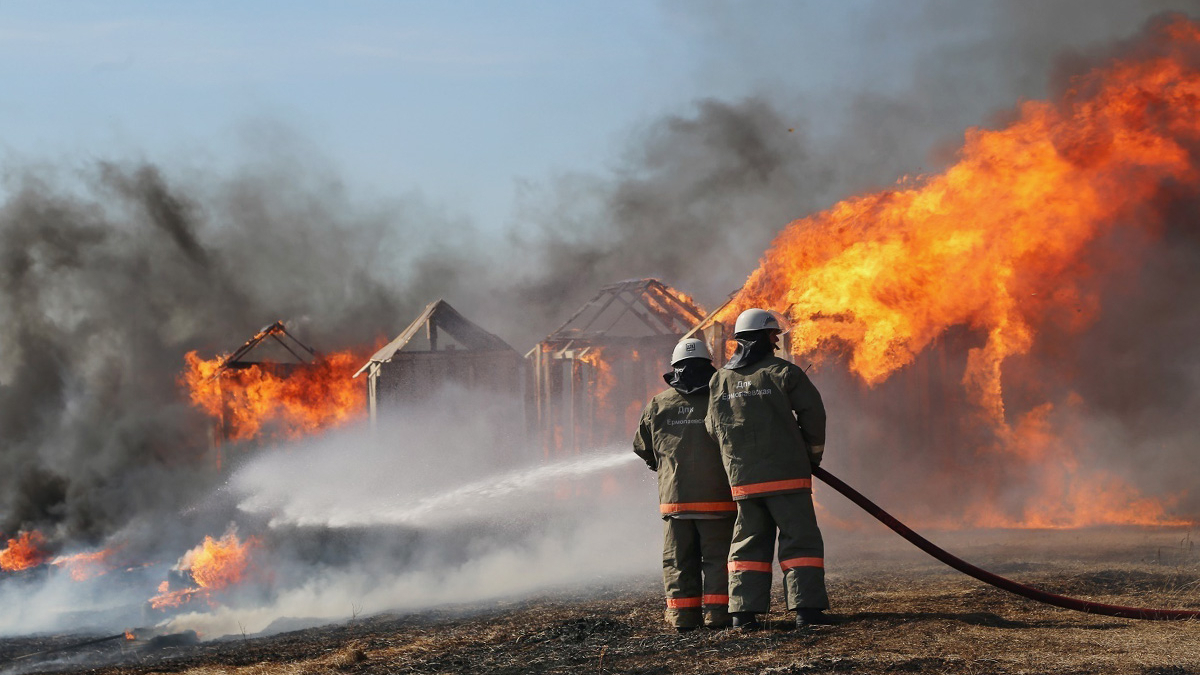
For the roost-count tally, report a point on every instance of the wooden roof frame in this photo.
(277, 332)
(662, 309)
(442, 316)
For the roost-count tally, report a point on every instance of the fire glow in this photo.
(84, 566)
(604, 379)
(995, 243)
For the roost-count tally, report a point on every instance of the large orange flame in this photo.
(23, 552)
(219, 563)
(995, 243)
(267, 400)
(214, 564)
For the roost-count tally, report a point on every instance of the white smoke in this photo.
(488, 518)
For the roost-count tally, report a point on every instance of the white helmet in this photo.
(756, 319)
(690, 348)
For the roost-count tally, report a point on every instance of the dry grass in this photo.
(905, 614)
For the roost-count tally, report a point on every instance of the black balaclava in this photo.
(752, 346)
(691, 376)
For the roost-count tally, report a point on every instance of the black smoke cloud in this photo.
(108, 279)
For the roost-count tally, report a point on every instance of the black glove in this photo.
(815, 452)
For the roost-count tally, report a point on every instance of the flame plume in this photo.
(219, 563)
(996, 243)
(266, 400)
(214, 565)
(23, 552)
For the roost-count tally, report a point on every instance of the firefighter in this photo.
(770, 423)
(693, 493)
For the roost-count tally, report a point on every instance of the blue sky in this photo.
(456, 101)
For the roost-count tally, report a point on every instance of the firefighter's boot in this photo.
(745, 620)
(813, 617)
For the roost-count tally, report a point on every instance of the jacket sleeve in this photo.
(643, 440)
(806, 403)
(710, 420)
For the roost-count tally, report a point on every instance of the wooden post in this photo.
(432, 332)
(372, 391)
(572, 425)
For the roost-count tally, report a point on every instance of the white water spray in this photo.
(298, 490)
(488, 529)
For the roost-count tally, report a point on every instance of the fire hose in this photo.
(995, 579)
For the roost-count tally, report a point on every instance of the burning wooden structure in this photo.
(441, 347)
(283, 352)
(273, 387)
(272, 349)
(593, 375)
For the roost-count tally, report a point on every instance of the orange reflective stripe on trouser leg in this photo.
(716, 599)
(790, 563)
(749, 566)
(683, 603)
(771, 486)
(701, 507)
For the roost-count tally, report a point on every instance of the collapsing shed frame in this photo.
(277, 332)
(592, 375)
(219, 431)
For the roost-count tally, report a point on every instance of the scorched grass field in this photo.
(903, 613)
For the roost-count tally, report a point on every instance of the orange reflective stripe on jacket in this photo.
(788, 564)
(749, 566)
(683, 603)
(716, 599)
(771, 486)
(697, 506)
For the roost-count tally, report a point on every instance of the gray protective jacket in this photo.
(672, 439)
(765, 416)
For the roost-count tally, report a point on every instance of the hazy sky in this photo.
(461, 101)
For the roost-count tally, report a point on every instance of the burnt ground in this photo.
(903, 614)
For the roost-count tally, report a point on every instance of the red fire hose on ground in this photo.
(995, 579)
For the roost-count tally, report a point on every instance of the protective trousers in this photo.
(801, 553)
(694, 571)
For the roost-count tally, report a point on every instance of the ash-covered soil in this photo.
(903, 614)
